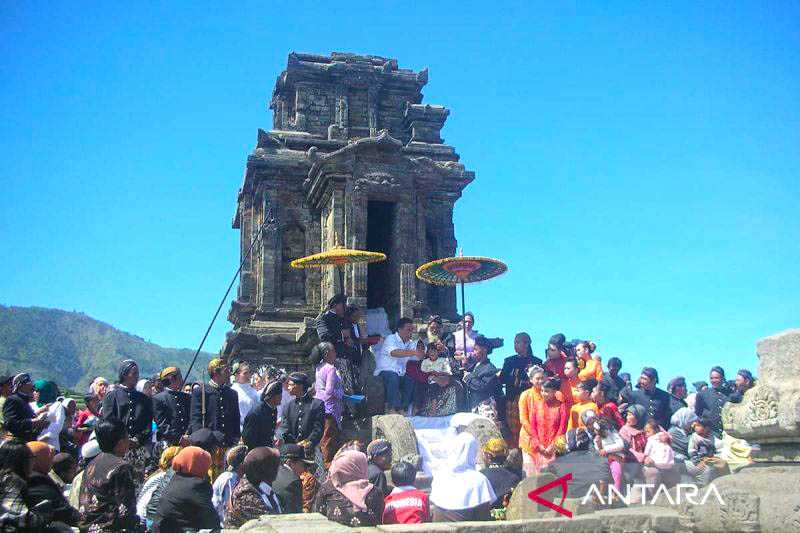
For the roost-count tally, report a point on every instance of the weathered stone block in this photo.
(769, 414)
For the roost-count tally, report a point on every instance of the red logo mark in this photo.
(562, 482)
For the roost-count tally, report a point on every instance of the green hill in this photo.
(72, 348)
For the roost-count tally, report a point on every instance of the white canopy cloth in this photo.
(436, 436)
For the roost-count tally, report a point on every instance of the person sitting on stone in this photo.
(379, 455)
(304, 418)
(502, 478)
(703, 447)
(390, 366)
(406, 504)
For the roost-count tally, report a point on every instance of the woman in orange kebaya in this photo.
(527, 400)
(548, 419)
(592, 365)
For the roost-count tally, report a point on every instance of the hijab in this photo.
(459, 485)
(683, 418)
(48, 392)
(18, 381)
(125, 367)
(639, 411)
(348, 474)
(192, 461)
(42, 456)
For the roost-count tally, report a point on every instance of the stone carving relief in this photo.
(382, 180)
(740, 512)
(763, 407)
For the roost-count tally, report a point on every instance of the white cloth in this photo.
(377, 322)
(221, 492)
(266, 492)
(460, 485)
(248, 399)
(435, 437)
(384, 361)
(286, 399)
(56, 416)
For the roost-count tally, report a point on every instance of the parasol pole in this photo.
(463, 319)
(340, 268)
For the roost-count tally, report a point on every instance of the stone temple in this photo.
(353, 158)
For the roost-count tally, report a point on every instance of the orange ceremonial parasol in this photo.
(452, 271)
(338, 256)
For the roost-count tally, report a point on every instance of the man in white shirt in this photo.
(390, 364)
(248, 396)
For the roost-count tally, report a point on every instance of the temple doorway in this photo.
(381, 292)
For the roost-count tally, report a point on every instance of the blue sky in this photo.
(637, 165)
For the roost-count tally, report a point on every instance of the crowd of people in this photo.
(163, 455)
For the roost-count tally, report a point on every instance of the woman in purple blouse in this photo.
(328, 389)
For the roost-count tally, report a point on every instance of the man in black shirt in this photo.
(677, 394)
(171, 409)
(615, 382)
(132, 407)
(215, 405)
(259, 424)
(482, 384)
(708, 403)
(655, 401)
(304, 417)
(330, 323)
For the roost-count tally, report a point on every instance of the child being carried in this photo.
(434, 365)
